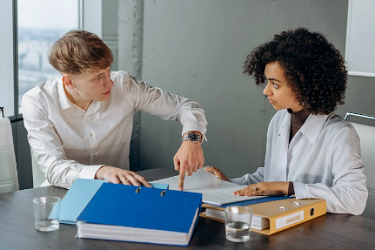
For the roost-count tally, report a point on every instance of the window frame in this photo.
(16, 116)
(5, 109)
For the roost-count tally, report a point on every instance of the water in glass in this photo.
(237, 231)
(47, 225)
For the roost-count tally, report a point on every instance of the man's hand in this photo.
(118, 175)
(217, 173)
(275, 188)
(189, 158)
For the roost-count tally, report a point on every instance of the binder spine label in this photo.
(290, 219)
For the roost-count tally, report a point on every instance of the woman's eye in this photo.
(275, 86)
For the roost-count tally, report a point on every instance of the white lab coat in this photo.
(323, 160)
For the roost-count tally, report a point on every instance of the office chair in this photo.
(367, 138)
(8, 166)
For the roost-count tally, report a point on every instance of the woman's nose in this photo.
(267, 90)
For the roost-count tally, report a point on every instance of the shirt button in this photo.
(91, 134)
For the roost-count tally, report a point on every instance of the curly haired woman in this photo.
(310, 152)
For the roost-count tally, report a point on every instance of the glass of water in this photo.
(47, 213)
(238, 223)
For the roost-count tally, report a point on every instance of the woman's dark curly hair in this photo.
(314, 68)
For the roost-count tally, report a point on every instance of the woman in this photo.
(310, 152)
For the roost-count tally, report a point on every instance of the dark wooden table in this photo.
(331, 231)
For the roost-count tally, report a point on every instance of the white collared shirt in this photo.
(323, 160)
(70, 143)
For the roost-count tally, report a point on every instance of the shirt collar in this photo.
(94, 106)
(313, 126)
(64, 102)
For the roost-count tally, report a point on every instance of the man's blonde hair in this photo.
(80, 51)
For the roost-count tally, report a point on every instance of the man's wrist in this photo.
(193, 136)
(98, 173)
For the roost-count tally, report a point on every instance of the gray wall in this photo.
(197, 48)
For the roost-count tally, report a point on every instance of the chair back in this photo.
(367, 139)
(8, 166)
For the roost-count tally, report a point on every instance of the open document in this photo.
(214, 190)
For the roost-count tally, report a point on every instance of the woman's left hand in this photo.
(275, 188)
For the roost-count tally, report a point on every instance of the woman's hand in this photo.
(217, 173)
(275, 188)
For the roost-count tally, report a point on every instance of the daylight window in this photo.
(40, 24)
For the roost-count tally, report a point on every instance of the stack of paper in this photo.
(140, 214)
(257, 222)
(214, 190)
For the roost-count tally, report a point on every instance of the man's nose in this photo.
(108, 82)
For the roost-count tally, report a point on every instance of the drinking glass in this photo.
(238, 223)
(47, 213)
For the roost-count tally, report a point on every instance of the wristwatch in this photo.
(193, 136)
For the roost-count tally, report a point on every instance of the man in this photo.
(79, 125)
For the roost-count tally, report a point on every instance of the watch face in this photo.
(193, 137)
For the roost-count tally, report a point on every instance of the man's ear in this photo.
(67, 81)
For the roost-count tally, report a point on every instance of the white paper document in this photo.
(214, 190)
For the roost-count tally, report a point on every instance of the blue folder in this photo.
(257, 201)
(79, 195)
(76, 199)
(140, 214)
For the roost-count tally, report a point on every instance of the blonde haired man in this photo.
(79, 125)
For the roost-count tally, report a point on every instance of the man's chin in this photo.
(103, 98)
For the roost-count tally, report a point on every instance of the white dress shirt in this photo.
(70, 143)
(323, 160)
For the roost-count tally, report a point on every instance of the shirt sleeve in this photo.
(348, 193)
(47, 148)
(249, 179)
(167, 106)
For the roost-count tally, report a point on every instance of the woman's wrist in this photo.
(290, 188)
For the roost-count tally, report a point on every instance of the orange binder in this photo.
(282, 214)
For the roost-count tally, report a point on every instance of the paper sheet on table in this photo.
(214, 190)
